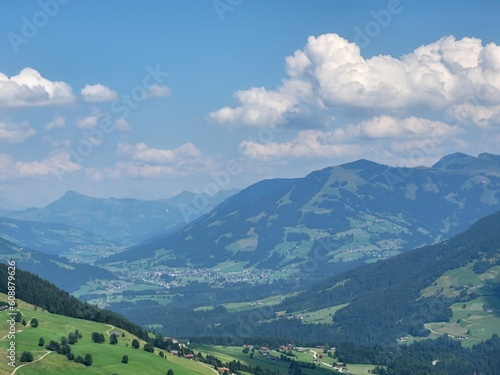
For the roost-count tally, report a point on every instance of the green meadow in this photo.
(107, 358)
(477, 320)
(274, 363)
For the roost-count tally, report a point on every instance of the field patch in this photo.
(106, 357)
(472, 322)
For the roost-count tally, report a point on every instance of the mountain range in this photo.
(337, 217)
(65, 274)
(122, 220)
(450, 288)
(55, 238)
(295, 241)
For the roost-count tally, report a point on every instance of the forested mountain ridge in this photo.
(362, 210)
(385, 298)
(42, 293)
(383, 301)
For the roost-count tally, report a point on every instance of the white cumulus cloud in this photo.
(55, 164)
(141, 160)
(122, 125)
(15, 133)
(377, 134)
(410, 127)
(98, 93)
(330, 72)
(142, 152)
(472, 113)
(307, 144)
(155, 91)
(57, 122)
(29, 88)
(263, 108)
(92, 120)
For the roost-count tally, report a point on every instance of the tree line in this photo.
(33, 289)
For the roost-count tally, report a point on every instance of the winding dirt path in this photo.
(315, 356)
(112, 328)
(29, 363)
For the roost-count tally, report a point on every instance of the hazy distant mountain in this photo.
(58, 270)
(359, 211)
(458, 161)
(53, 238)
(125, 220)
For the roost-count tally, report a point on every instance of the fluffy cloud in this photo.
(55, 164)
(57, 122)
(263, 108)
(122, 125)
(92, 120)
(471, 113)
(378, 134)
(141, 160)
(98, 93)
(29, 88)
(155, 91)
(307, 144)
(410, 127)
(329, 72)
(15, 133)
(142, 152)
(96, 117)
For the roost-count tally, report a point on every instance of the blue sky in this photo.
(146, 99)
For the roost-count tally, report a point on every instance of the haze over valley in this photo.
(250, 187)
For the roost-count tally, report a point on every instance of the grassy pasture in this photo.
(229, 353)
(472, 321)
(106, 357)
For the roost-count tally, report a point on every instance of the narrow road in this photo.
(112, 328)
(29, 363)
(18, 331)
(315, 355)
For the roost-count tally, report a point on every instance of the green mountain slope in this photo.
(380, 302)
(59, 270)
(349, 214)
(106, 358)
(44, 294)
(390, 299)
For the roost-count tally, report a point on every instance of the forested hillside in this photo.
(58, 270)
(37, 291)
(350, 214)
(384, 299)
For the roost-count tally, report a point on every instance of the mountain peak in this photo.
(489, 157)
(72, 194)
(360, 164)
(72, 197)
(453, 161)
(456, 161)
